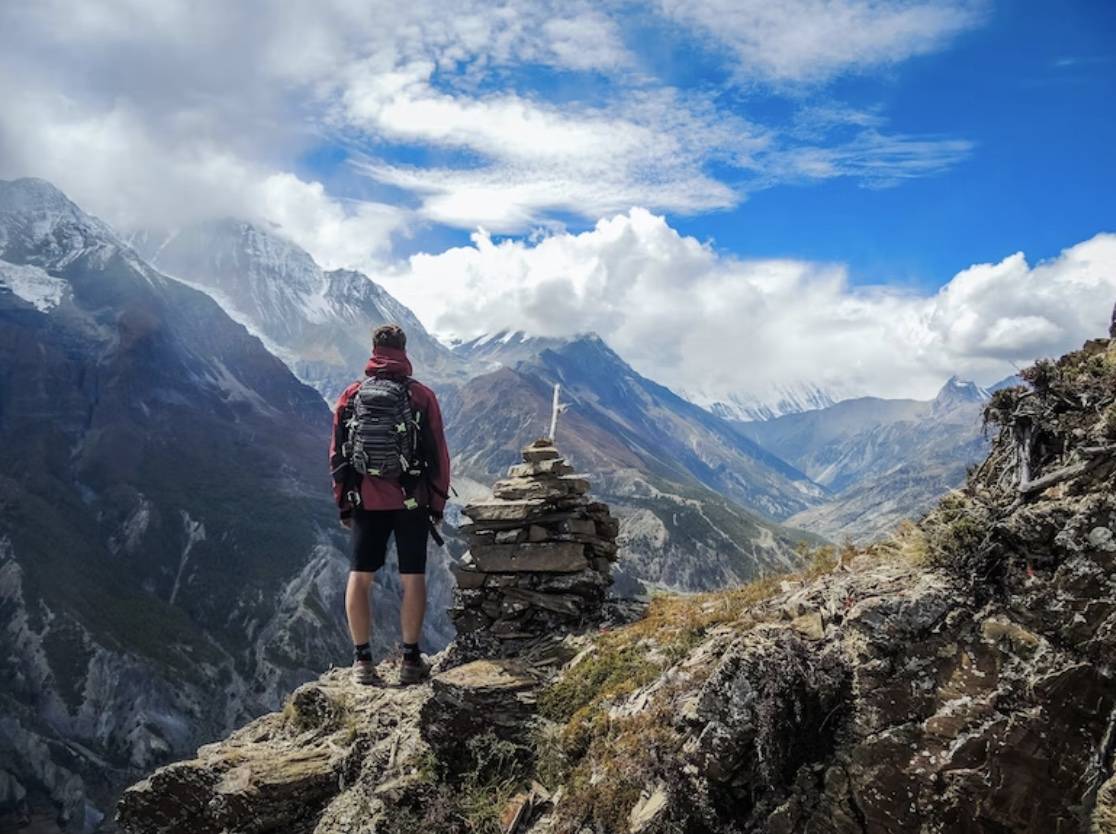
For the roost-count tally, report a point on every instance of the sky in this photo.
(865, 195)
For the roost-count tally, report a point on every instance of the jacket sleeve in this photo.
(440, 477)
(338, 465)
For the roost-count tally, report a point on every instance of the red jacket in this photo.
(383, 493)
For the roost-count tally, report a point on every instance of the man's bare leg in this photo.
(414, 606)
(358, 607)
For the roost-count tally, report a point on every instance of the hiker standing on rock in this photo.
(391, 472)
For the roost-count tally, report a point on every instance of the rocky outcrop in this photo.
(539, 557)
(956, 678)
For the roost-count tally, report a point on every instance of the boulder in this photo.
(485, 696)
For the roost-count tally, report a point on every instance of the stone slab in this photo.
(520, 511)
(567, 604)
(468, 578)
(551, 466)
(518, 489)
(548, 557)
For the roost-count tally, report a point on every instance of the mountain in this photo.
(506, 348)
(488, 385)
(783, 400)
(170, 562)
(957, 678)
(318, 321)
(694, 496)
(682, 472)
(885, 460)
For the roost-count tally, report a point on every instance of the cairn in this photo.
(540, 555)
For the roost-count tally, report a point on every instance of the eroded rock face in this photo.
(288, 771)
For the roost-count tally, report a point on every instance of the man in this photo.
(391, 472)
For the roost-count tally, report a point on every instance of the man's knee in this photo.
(361, 580)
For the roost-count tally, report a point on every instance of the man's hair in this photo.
(389, 335)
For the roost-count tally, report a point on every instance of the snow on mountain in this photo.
(504, 348)
(33, 285)
(791, 398)
(959, 392)
(318, 321)
(40, 226)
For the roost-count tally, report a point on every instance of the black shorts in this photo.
(373, 528)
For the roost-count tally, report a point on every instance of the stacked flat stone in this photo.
(540, 553)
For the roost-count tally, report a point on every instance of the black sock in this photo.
(411, 651)
(363, 652)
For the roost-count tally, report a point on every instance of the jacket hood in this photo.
(386, 361)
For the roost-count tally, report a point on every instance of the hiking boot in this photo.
(364, 673)
(413, 671)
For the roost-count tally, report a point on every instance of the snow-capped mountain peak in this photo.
(957, 392)
(790, 398)
(505, 347)
(318, 321)
(41, 225)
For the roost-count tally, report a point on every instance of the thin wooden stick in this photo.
(554, 413)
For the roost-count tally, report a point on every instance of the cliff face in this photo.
(956, 678)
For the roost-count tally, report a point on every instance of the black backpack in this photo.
(383, 430)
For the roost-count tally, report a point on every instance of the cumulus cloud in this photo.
(703, 322)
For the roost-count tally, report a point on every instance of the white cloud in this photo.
(113, 165)
(815, 40)
(875, 159)
(694, 319)
(170, 109)
(165, 111)
(538, 159)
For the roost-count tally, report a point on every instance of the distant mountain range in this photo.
(783, 400)
(884, 460)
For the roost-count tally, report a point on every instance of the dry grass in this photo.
(624, 756)
(908, 545)
(605, 762)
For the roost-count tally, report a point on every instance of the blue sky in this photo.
(1029, 88)
(738, 195)
(1026, 84)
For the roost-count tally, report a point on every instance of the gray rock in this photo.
(551, 557)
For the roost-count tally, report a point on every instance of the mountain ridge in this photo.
(197, 570)
(319, 321)
(885, 460)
